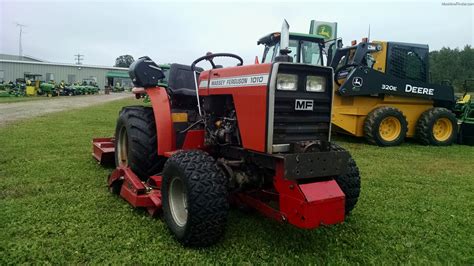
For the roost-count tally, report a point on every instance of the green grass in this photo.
(416, 206)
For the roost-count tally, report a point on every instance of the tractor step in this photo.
(104, 150)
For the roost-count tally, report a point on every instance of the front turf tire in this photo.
(349, 182)
(196, 175)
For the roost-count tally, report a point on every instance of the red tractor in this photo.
(255, 136)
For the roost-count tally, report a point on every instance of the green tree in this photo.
(124, 61)
(453, 65)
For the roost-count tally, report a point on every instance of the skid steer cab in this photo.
(256, 136)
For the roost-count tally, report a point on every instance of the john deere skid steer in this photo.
(383, 94)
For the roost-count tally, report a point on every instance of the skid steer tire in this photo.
(195, 205)
(385, 126)
(349, 182)
(136, 142)
(437, 126)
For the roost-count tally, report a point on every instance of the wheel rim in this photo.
(442, 129)
(178, 201)
(390, 128)
(122, 147)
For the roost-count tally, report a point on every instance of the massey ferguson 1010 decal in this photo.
(238, 81)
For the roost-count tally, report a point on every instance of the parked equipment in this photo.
(32, 83)
(383, 94)
(47, 89)
(465, 111)
(258, 135)
(381, 89)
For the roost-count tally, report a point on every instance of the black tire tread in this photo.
(207, 197)
(143, 155)
(349, 182)
(424, 126)
(372, 122)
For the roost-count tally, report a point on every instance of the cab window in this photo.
(311, 53)
(294, 50)
(269, 51)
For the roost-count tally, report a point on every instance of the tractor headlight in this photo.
(287, 82)
(315, 83)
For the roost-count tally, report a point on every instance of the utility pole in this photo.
(20, 47)
(79, 57)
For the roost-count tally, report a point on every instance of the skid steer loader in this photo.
(381, 89)
(231, 135)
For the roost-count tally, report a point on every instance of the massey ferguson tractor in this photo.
(255, 136)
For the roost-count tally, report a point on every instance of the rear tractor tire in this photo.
(385, 126)
(349, 182)
(195, 205)
(437, 126)
(136, 142)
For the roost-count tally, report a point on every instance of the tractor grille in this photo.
(291, 126)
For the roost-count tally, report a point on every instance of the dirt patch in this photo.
(10, 112)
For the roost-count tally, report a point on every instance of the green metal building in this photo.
(13, 67)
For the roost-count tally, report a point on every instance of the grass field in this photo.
(416, 206)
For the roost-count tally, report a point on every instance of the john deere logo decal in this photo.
(357, 82)
(325, 31)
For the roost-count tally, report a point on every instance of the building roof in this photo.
(20, 58)
(62, 64)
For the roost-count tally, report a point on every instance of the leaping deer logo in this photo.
(357, 82)
(325, 31)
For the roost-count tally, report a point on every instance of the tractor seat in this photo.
(181, 80)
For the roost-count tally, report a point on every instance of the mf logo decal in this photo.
(325, 31)
(357, 82)
(304, 105)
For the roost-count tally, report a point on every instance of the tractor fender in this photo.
(164, 125)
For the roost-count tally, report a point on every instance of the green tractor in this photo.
(47, 89)
(10, 90)
(464, 111)
(90, 86)
(79, 89)
(18, 88)
(89, 89)
(5, 90)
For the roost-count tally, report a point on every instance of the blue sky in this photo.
(181, 31)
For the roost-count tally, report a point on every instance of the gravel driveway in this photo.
(10, 112)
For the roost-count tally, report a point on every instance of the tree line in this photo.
(452, 65)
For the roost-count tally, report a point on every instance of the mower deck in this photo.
(103, 150)
(139, 194)
(302, 205)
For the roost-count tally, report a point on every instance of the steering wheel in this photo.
(210, 57)
(339, 70)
